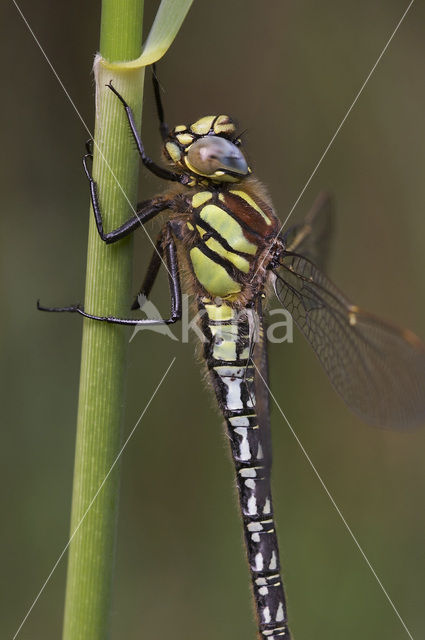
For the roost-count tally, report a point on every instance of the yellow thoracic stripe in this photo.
(201, 198)
(240, 263)
(228, 228)
(212, 276)
(251, 203)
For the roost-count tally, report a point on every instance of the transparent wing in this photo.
(311, 238)
(377, 368)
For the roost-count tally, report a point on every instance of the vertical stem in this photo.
(103, 360)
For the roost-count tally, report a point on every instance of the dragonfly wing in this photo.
(377, 368)
(311, 238)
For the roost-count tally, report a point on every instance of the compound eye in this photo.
(213, 155)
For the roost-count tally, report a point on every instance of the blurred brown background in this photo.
(288, 71)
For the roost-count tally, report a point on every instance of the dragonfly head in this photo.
(208, 148)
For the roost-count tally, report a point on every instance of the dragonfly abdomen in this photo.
(228, 354)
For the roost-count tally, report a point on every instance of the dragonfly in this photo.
(220, 226)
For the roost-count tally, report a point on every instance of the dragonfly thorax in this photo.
(230, 232)
(208, 149)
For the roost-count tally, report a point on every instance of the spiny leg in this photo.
(145, 210)
(89, 147)
(151, 273)
(166, 246)
(163, 128)
(150, 277)
(149, 164)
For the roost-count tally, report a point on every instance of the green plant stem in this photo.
(104, 346)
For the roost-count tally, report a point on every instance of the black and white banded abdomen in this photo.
(228, 353)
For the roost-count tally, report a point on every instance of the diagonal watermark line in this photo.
(93, 499)
(332, 140)
(74, 106)
(338, 510)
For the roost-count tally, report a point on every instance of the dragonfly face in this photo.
(208, 149)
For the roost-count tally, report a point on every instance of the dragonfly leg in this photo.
(163, 128)
(145, 210)
(150, 276)
(167, 248)
(161, 172)
(89, 147)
